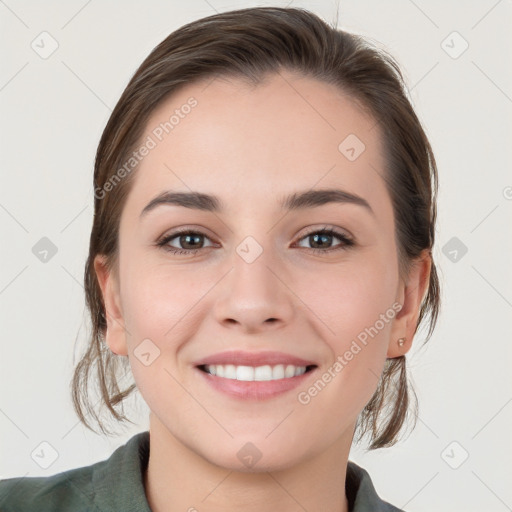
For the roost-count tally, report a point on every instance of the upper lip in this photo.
(241, 358)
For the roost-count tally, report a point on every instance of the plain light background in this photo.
(53, 111)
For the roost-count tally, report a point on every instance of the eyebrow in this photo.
(294, 201)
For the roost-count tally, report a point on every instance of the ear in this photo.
(115, 337)
(410, 295)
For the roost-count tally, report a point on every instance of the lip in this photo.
(254, 390)
(244, 358)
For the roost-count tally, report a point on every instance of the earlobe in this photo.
(115, 335)
(411, 296)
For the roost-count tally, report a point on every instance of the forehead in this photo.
(243, 142)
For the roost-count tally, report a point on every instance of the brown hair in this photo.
(250, 44)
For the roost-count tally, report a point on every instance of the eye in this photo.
(324, 236)
(188, 239)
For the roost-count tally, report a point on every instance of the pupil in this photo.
(315, 237)
(187, 238)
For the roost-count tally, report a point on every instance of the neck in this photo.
(178, 478)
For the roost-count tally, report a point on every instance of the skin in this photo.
(251, 146)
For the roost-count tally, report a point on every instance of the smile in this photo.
(258, 373)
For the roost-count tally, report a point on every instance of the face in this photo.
(255, 275)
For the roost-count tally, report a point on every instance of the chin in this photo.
(249, 459)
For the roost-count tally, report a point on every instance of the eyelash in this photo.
(346, 241)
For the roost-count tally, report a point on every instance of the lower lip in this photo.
(254, 390)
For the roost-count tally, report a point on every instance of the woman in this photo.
(261, 259)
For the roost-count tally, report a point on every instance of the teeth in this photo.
(259, 373)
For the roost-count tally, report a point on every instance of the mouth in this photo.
(249, 375)
(255, 383)
(255, 373)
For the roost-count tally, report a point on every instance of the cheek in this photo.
(351, 298)
(159, 313)
(156, 298)
(355, 306)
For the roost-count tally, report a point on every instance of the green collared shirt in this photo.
(116, 485)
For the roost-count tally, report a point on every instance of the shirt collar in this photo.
(119, 483)
(361, 494)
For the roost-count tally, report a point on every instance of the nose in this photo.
(253, 297)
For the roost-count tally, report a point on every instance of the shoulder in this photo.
(361, 493)
(109, 485)
(69, 490)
